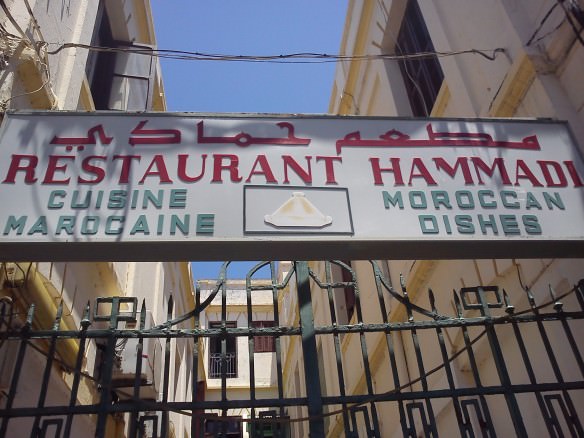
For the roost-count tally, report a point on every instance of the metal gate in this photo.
(348, 359)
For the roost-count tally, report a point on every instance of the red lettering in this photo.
(266, 171)
(53, 167)
(573, 173)
(16, 166)
(395, 169)
(159, 165)
(545, 169)
(218, 167)
(329, 168)
(527, 174)
(306, 176)
(182, 165)
(87, 167)
(418, 164)
(461, 163)
(126, 166)
(498, 163)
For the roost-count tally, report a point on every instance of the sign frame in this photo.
(276, 245)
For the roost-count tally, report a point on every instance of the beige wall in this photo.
(31, 78)
(539, 80)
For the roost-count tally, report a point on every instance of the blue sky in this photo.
(252, 27)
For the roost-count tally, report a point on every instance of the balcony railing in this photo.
(215, 365)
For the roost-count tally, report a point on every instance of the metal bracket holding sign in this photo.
(147, 186)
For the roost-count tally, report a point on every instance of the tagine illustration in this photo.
(298, 211)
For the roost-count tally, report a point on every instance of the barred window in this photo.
(216, 361)
(422, 77)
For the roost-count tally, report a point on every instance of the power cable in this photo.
(541, 23)
(573, 10)
(38, 46)
(300, 57)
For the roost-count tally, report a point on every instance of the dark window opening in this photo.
(228, 427)
(119, 80)
(100, 65)
(215, 356)
(263, 343)
(269, 428)
(422, 77)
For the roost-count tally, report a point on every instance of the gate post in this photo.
(311, 373)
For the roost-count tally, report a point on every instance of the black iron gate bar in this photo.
(350, 404)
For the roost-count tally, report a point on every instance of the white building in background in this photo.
(497, 59)
(45, 65)
(238, 350)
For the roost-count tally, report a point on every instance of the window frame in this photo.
(215, 348)
(422, 77)
(264, 343)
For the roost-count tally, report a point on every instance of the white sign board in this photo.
(147, 186)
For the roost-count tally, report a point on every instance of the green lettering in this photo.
(464, 199)
(490, 222)
(509, 194)
(482, 194)
(178, 198)
(464, 224)
(182, 226)
(52, 204)
(554, 200)
(156, 201)
(40, 226)
(395, 200)
(15, 224)
(440, 197)
(90, 225)
(428, 224)
(117, 199)
(65, 223)
(109, 229)
(531, 224)
(509, 223)
(205, 223)
(421, 202)
(140, 226)
(531, 201)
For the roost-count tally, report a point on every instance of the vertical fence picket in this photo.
(166, 377)
(85, 323)
(25, 336)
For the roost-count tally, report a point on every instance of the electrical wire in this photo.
(300, 57)
(541, 23)
(535, 41)
(38, 46)
(575, 10)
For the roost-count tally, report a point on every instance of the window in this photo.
(231, 426)
(230, 353)
(267, 429)
(100, 65)
(422, 77)
(263, 343)
(118, 80)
